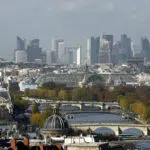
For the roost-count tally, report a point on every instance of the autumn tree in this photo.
(36, 119)
(62, 95)
(51, 94)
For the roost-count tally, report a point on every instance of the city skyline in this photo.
(75, 21)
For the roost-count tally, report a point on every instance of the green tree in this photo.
(27, 92)
(13, 87)
(35, 108)
(49, 85)
(89, 131)
(20, 105)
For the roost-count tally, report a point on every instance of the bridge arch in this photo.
(104, 130)
(134, 130)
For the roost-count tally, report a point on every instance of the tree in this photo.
(82, 94)
(48, 112)
(13, 86)
(51, 94)
(62, 95)
(89, 131)
(36, 119)
(124, 103)
(35, 108)
(20, 105)
(49, 85)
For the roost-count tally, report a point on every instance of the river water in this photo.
(143, 145)
(105, 117)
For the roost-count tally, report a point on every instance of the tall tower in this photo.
(21, 43)
(34, 52)
(105, 52)
(20, 46)
(78, 61)
(145, 48)
(110, 39)
(93, 46)
(56, 46)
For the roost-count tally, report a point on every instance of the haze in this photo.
(73, 20)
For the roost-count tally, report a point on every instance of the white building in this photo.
(61, 52)
(23, 85)
(20, 56)
(88, 52)
(78, 61)
(48, 58)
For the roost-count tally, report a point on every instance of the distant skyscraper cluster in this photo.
(62, 54)
(99, 50)
(28, 53)
(59, 53)
(104, 50)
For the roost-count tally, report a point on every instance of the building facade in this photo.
(93, 47)
(34, 52)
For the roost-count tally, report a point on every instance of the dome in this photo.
(55, 122)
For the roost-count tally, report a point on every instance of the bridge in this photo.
(79, 104)
(116, 128)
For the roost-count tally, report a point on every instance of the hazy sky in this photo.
(73, 20)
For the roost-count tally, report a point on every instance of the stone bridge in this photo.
(79, 104)
(116, 128)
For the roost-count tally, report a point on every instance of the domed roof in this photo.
(55, 122)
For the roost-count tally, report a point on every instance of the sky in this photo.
(72, 20)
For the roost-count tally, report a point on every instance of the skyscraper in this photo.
(20, 57)
(93, 47)
(78, 61)
(34, 51)
(48, 57)
(71, 55)
(61, 53)
(55, 47)
(110, 39)
(124, 49)
(105, 52)
(145, 48)
(20, 46)
(21, 43)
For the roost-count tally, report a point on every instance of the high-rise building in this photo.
(110, 39)
(21, 43)
(54, 57)
(34, 52)
(55, 47)
(78, 61)
(20, 46)
(105, 52)
(48, 57)
(70, 55)
(61, 52)
(93, 47)
(124, 49)
(145, 48)
(20, 56)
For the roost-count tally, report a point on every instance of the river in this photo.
(106, 117)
